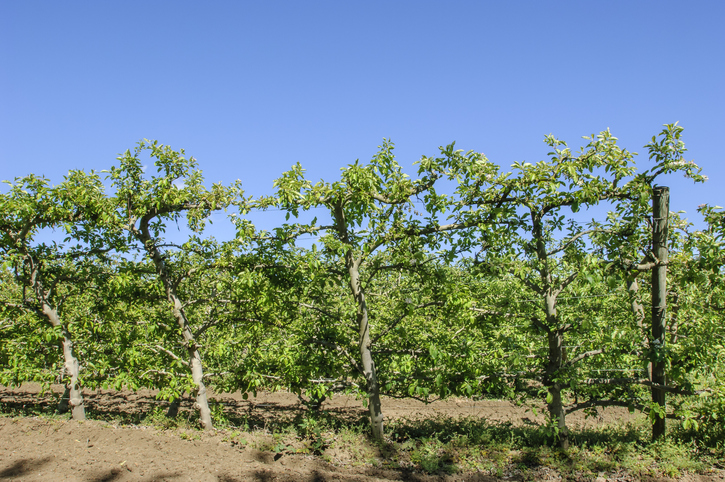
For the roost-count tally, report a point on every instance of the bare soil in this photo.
(55, 448)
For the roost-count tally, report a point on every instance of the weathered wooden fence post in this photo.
(660, 215)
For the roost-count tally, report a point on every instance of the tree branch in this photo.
(157, 348)
(584, 355)
(567, 243)
(569, 279)
(640, 381)
(602, 403)
(320, 310)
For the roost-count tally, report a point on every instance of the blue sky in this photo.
(250, 88)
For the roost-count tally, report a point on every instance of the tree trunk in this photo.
(556, 406)
(674, 318)
(74, 398)
(77, 407)
(173, 410)
(64, 402)
(638, 313)
(364, 342)
(202, 403)
(555, 336)
(660, 215)
(371, 375)
(197, 369)
(556, 403)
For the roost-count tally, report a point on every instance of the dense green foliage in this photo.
(464, 280)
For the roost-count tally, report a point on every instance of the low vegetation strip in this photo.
(274, 437)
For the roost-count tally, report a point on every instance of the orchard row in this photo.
(462, 280)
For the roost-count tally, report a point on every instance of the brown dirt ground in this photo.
(49, 449)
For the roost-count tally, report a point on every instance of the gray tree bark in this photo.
(368, 365)
(555, 364)
(71, 365)
(638, 313)
(74, 399)
(555, 334)
(195, 364)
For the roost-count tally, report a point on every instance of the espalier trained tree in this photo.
(144, 206)
(644, 232)
(371, 209)
(688, 353)
(698, 314)
(693, 351)
(551, 244)
(50, 275)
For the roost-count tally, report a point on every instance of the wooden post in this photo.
(660, 215)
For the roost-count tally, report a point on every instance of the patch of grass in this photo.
(42, 408)
(446, 445)
(189, 435)
(434, 457)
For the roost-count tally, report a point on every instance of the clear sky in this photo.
(249, 88)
